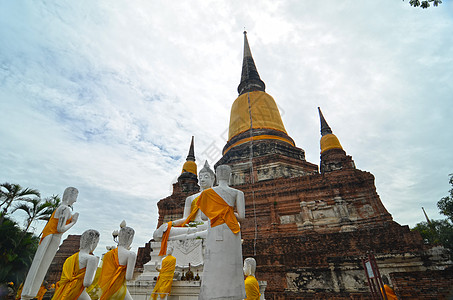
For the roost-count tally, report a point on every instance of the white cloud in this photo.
(105, 97)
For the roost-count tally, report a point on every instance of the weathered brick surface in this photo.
(432, 284)
(309, 230)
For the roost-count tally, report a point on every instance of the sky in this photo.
(105, 95)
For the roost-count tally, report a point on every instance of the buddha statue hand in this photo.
(157, 235)
(75, 217)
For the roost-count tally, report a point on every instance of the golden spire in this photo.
(254, 114)
(190, 165)
(328, 139)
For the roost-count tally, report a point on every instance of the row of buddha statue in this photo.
(213, 215)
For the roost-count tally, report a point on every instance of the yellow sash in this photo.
(193, 211)
(51, 226)
(165, 279)
(113, 277)
(191, 217)
(70, 285)
(163, 243)
(41, 292)
(19, 291)
(389, 293)
(217, 210)
(252, 289)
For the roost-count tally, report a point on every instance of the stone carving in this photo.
(188, 252)
(60, 221)
(319, 214)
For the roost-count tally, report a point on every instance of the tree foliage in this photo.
(10, 193)
(37, 209)
(440, 232)
(17, 245)
(445, 204)
(424, 3)
(436, 232)
(16, 251)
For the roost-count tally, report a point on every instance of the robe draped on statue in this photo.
(252, 288)
(222, 273)
(70, 285)
(42, 291)
(112, 280)
(51, 226)
(165, 279)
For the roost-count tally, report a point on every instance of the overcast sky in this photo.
(105, 95)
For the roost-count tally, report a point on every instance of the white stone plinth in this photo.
(180, 290)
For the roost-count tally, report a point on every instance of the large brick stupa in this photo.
(308, 227)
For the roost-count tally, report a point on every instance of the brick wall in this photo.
(427, 285)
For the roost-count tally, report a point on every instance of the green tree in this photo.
(425, 3)
(10, 193)
(37, 209)
(445, 204)
(16, 251)
(440, 232)
(436, 232)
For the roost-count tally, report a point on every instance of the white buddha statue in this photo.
(165, 279)
(206, 179)
(222, 273)
(61, 220)
(252, 288)
(118, 266)
(79, 269)
(88, 243)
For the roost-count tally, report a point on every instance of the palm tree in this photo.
(13, 192)
(35, 209)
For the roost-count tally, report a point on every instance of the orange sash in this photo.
(191, 217)
(165, 279)
(193, 211)
(252, 289)
(389, 292)
(217, 210)
(163, 243)
(42, 291)
(19, 291)
(113, 277)
(70, 285)
(51, 226)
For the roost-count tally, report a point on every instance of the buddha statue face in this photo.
(70, 195)
(206, 180)
(206, 177)
(169, 250)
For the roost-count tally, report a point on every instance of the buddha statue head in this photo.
(223, 173)
(169, 250)
(126, 236)
(206, 176)
(249, 266)
(70, 195)
(89, 240)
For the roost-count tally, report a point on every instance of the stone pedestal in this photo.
(180, 290)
